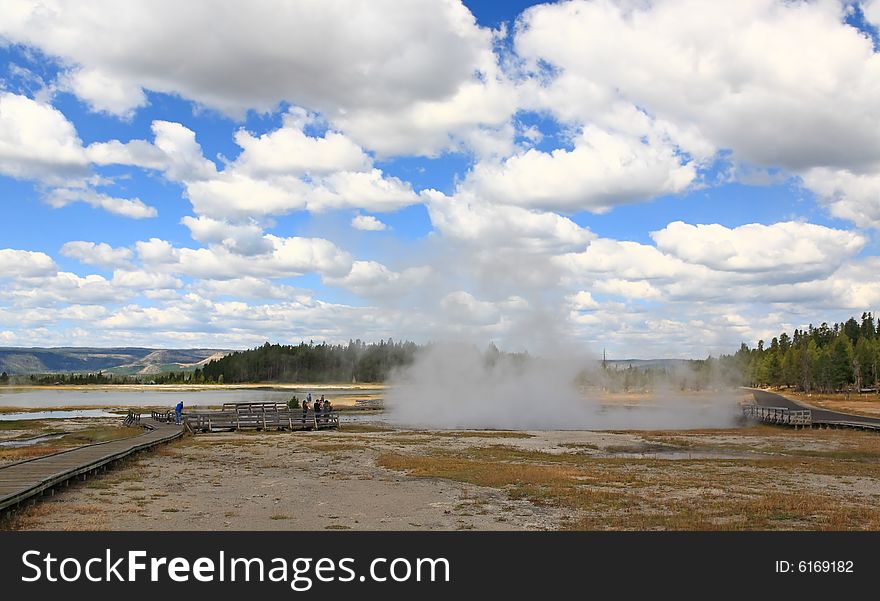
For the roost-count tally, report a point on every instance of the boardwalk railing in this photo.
(166, 417)
(27, 479)
(260, 419)
(132, 419)
(779, 415)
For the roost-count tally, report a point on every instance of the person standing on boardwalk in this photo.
(327, 408)
(178, 411)
(305, 409)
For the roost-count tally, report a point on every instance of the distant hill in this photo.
(121, 361)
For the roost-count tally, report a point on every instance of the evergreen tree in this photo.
(841, 363)
(867, 329)
(852, 330)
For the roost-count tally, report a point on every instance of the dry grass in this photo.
(22, 453)
(483, 434)
(21, 424)
(861, 404)
(69, 441)
(645, 494)
(364, 428)
(331, 447)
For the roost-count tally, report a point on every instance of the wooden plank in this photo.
(25, 479)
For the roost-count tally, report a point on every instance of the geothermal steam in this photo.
(455, 386)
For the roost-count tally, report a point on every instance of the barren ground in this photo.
(373, 478)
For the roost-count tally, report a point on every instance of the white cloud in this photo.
(383, 53)
(101, 253)
(234, 195)
(289, 151)
(641, 289)
(871, 9)
(277, 173)
(25, 263)
(848, 195)
(466, 218)
(231, 195)
(582, 301)
(104, 92)
(788, 249)
(248, 287)
(61, 288)
(601, 171)
(174, 151)
(367, 223)
(476, 117)
(244, 239)
(641, 99)
(139, 153)
(289, 257)
(126, 207)
(144, 280)
(38, 142)
(156, 251)
(371, 279)
(778, 83)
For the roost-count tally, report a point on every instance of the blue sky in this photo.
(660, 184)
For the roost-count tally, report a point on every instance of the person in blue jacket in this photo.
(178, 411)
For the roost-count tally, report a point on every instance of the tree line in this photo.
(840, 357)
(355, 362)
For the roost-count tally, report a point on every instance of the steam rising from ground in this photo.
(455, 386)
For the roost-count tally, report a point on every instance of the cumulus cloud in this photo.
(848, 195)
(174, 151)
(101, 253)
(244, 239)
(289, 151)
(782, 249)
(785, 84)
(38, 142)
(134, 208)
(601, 171)
(467, 218)
(289, 257)
(258, 55)
(372, 279)
(25, 263)
(367, 223)
(104, 92)
(630, 101)
(279, 172)
(144, 280)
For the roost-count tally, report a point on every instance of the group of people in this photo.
(321, 407)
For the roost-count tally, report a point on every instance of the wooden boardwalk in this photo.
(27, 479)
(255, 416)
(778, 409)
